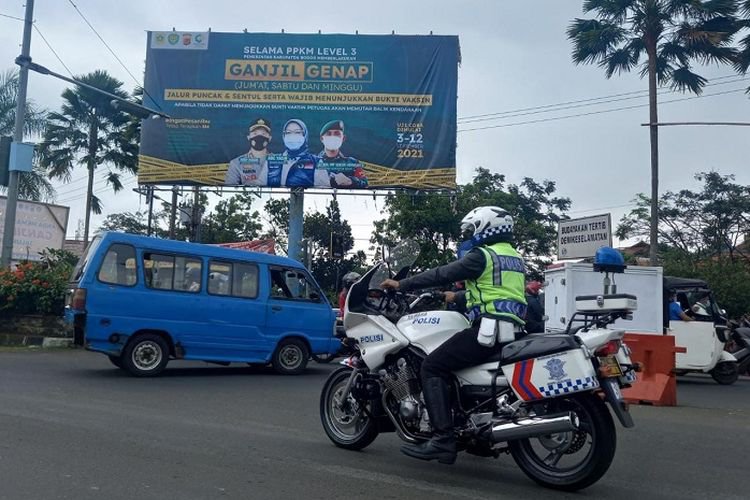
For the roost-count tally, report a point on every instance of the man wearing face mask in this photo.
(299, 165)
(343, 171)
(251, 168)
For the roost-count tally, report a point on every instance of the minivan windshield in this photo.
(83, 261)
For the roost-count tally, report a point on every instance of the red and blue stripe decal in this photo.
(521, 382)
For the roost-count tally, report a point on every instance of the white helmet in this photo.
(488, 221)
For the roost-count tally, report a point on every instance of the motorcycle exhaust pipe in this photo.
(535, 426)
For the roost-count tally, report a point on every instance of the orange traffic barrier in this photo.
(656, 384)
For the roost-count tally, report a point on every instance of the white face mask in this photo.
(332, 142)
(294, 141)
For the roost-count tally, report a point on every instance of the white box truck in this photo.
(565, 281)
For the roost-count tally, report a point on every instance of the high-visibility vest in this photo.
(499, 291)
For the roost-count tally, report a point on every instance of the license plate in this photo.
(609, 367)
(615, 389)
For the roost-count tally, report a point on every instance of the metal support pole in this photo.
(23, 82)
(195, 220)
(173, 213)
(150, 210)
(296, 217)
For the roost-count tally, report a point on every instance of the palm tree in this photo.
(743, 57)
(89, 131)
(32, 185)
(672, 34)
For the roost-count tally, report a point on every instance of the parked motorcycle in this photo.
(738, 344)
(541, 400)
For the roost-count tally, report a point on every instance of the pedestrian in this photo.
(535, 311)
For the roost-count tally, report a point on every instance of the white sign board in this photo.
(38, 226)
(579, 238)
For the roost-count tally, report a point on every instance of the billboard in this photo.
(38, 226)
(580, 238)
(293, 110)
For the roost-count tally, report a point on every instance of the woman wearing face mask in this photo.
(251, 168)
(343, 171)
(299, 168)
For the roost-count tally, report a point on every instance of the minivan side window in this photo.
(118, 266)
(289, 283)
(172, 272)
(219, 278)
(245, 280)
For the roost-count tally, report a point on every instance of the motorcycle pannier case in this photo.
(546, 367)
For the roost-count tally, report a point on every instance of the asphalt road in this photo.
(72, 426)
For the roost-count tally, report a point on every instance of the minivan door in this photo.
(296, 307)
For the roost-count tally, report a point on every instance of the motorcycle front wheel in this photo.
(345, 421)
(570, 461)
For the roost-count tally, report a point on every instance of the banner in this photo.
(263, 246)
(39, 226)
(290, 110)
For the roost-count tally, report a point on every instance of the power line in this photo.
(547, 106)
(104, 42)
(13, 17)
(53, 50)
(574, 106)
(623, 108)
(137, 82)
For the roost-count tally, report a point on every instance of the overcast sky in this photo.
(515, 56)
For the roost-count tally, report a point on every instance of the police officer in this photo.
(494, 277)
(344, 171)
(251, 169)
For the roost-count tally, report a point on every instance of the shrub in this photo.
(34, 288)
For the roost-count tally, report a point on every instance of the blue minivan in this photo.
(143, 301)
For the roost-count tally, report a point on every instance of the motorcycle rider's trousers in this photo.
(458, 352)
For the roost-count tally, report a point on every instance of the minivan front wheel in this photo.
(146, 355)
(290, 357)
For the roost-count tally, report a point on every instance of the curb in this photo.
(54, 342)
(15, 340)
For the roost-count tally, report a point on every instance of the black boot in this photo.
(442, 446)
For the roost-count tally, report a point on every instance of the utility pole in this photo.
(23, 82)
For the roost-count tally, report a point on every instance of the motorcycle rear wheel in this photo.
(597, 430)
(346, 423)
(725, 373)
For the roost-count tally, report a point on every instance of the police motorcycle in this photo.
(541, 400)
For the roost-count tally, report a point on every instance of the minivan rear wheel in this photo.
(146, 355)
(290, 357)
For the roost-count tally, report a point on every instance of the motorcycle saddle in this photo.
(536, 345)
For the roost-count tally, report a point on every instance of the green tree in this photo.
(31, 185)
(89, 131)
(317, 228)
(231, 221)
(672, 35)
(696, 225)
(276, 218)
(434, 221)
(134, 223)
